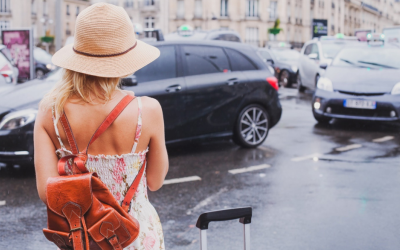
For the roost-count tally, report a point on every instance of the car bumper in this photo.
(331, 105)
(16, 146)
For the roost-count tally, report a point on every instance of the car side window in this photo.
(315, 50)
(164, 67)
(205, 60)
(308, 49)
(239, 62)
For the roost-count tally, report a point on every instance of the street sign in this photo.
(20, 44)
(319, 27)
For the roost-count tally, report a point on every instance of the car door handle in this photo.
(232, 81)
(173, 88)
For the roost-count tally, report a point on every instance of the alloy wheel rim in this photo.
(285, 77)
(254, 125)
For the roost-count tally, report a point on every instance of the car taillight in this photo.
(273, 82)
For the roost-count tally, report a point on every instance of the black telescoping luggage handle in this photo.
(244, 214)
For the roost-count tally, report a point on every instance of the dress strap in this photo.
(56, 129)
(139, 125)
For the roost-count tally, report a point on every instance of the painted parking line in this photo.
(249, 169)
(2, 203)
(348, 147)
(382, 139)
(180, 180)
(206, 201)
(306, 157)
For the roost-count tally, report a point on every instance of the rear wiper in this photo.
(378, 64)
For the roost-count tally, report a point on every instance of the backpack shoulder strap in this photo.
(103, 127)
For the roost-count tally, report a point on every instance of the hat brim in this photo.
(113, 66)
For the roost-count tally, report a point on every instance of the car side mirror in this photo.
(129, 81)
(313, 56)
(270, 61)
(323, 65)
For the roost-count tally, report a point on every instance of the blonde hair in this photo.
(83, 87)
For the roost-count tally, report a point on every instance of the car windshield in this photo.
(330, 50)
(42, 56)
(286, 55)
(379, 57)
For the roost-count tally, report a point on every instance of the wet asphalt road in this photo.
(310, 196)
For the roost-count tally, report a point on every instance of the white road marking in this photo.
(348, 147)
(382, 139)
(306, 157)
(180, 180)
(206, 201)
(2, 203)
(248, 169)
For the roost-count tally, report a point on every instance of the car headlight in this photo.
(396, 89)
(325, 84)
(50, 66)
(294, 68)
(18, 119)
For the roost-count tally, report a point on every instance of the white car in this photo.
(315, 53)
(7, 66)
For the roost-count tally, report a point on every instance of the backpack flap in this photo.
(66, 189)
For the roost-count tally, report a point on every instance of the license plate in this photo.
(359, 104)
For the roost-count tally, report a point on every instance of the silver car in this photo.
(8, 69)
(317, 52)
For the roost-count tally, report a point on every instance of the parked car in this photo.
(362, 83)
(8, 69)
(222, 35)
(316, 52)
(284, 62)
(43, 64)
(206, 89)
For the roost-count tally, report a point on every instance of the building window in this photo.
(67, 30)
(198, 9)
(33, 7)
(44, 8)
(224, 7)
(272, 10)
(4, 6)
(4, 25)
(252, 36)
(149, 22)
(180, 10)
(288, 13)
(252, 8)
(67, 10)
(148, 2)
(128, 4)
(77, 10)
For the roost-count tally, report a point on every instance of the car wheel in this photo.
(284, 78)
(300, 86)
(252, 126)
(321, 119)
(316, 80)
(39, 73)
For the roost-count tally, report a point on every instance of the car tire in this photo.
(300, 86)
(250, 132)
(316, 80)
(284, 79)
(321, 119)
(39, 73)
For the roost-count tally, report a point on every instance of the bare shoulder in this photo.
(151, 104)
(44, 117)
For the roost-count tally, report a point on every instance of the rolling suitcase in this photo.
(243, 214)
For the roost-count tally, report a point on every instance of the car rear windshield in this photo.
(378, 57)
(286, 55)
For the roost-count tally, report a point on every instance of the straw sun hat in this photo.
(105, 44)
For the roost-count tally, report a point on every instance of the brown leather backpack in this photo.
(82, 212)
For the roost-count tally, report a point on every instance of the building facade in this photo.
(253, 18)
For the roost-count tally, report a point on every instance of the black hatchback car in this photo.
(208, 89)
(362, 83)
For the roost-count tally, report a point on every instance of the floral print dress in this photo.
(118, 173)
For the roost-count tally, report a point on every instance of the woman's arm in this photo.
(45, 158)
(157, 157)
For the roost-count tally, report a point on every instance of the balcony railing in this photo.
(149, 5)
